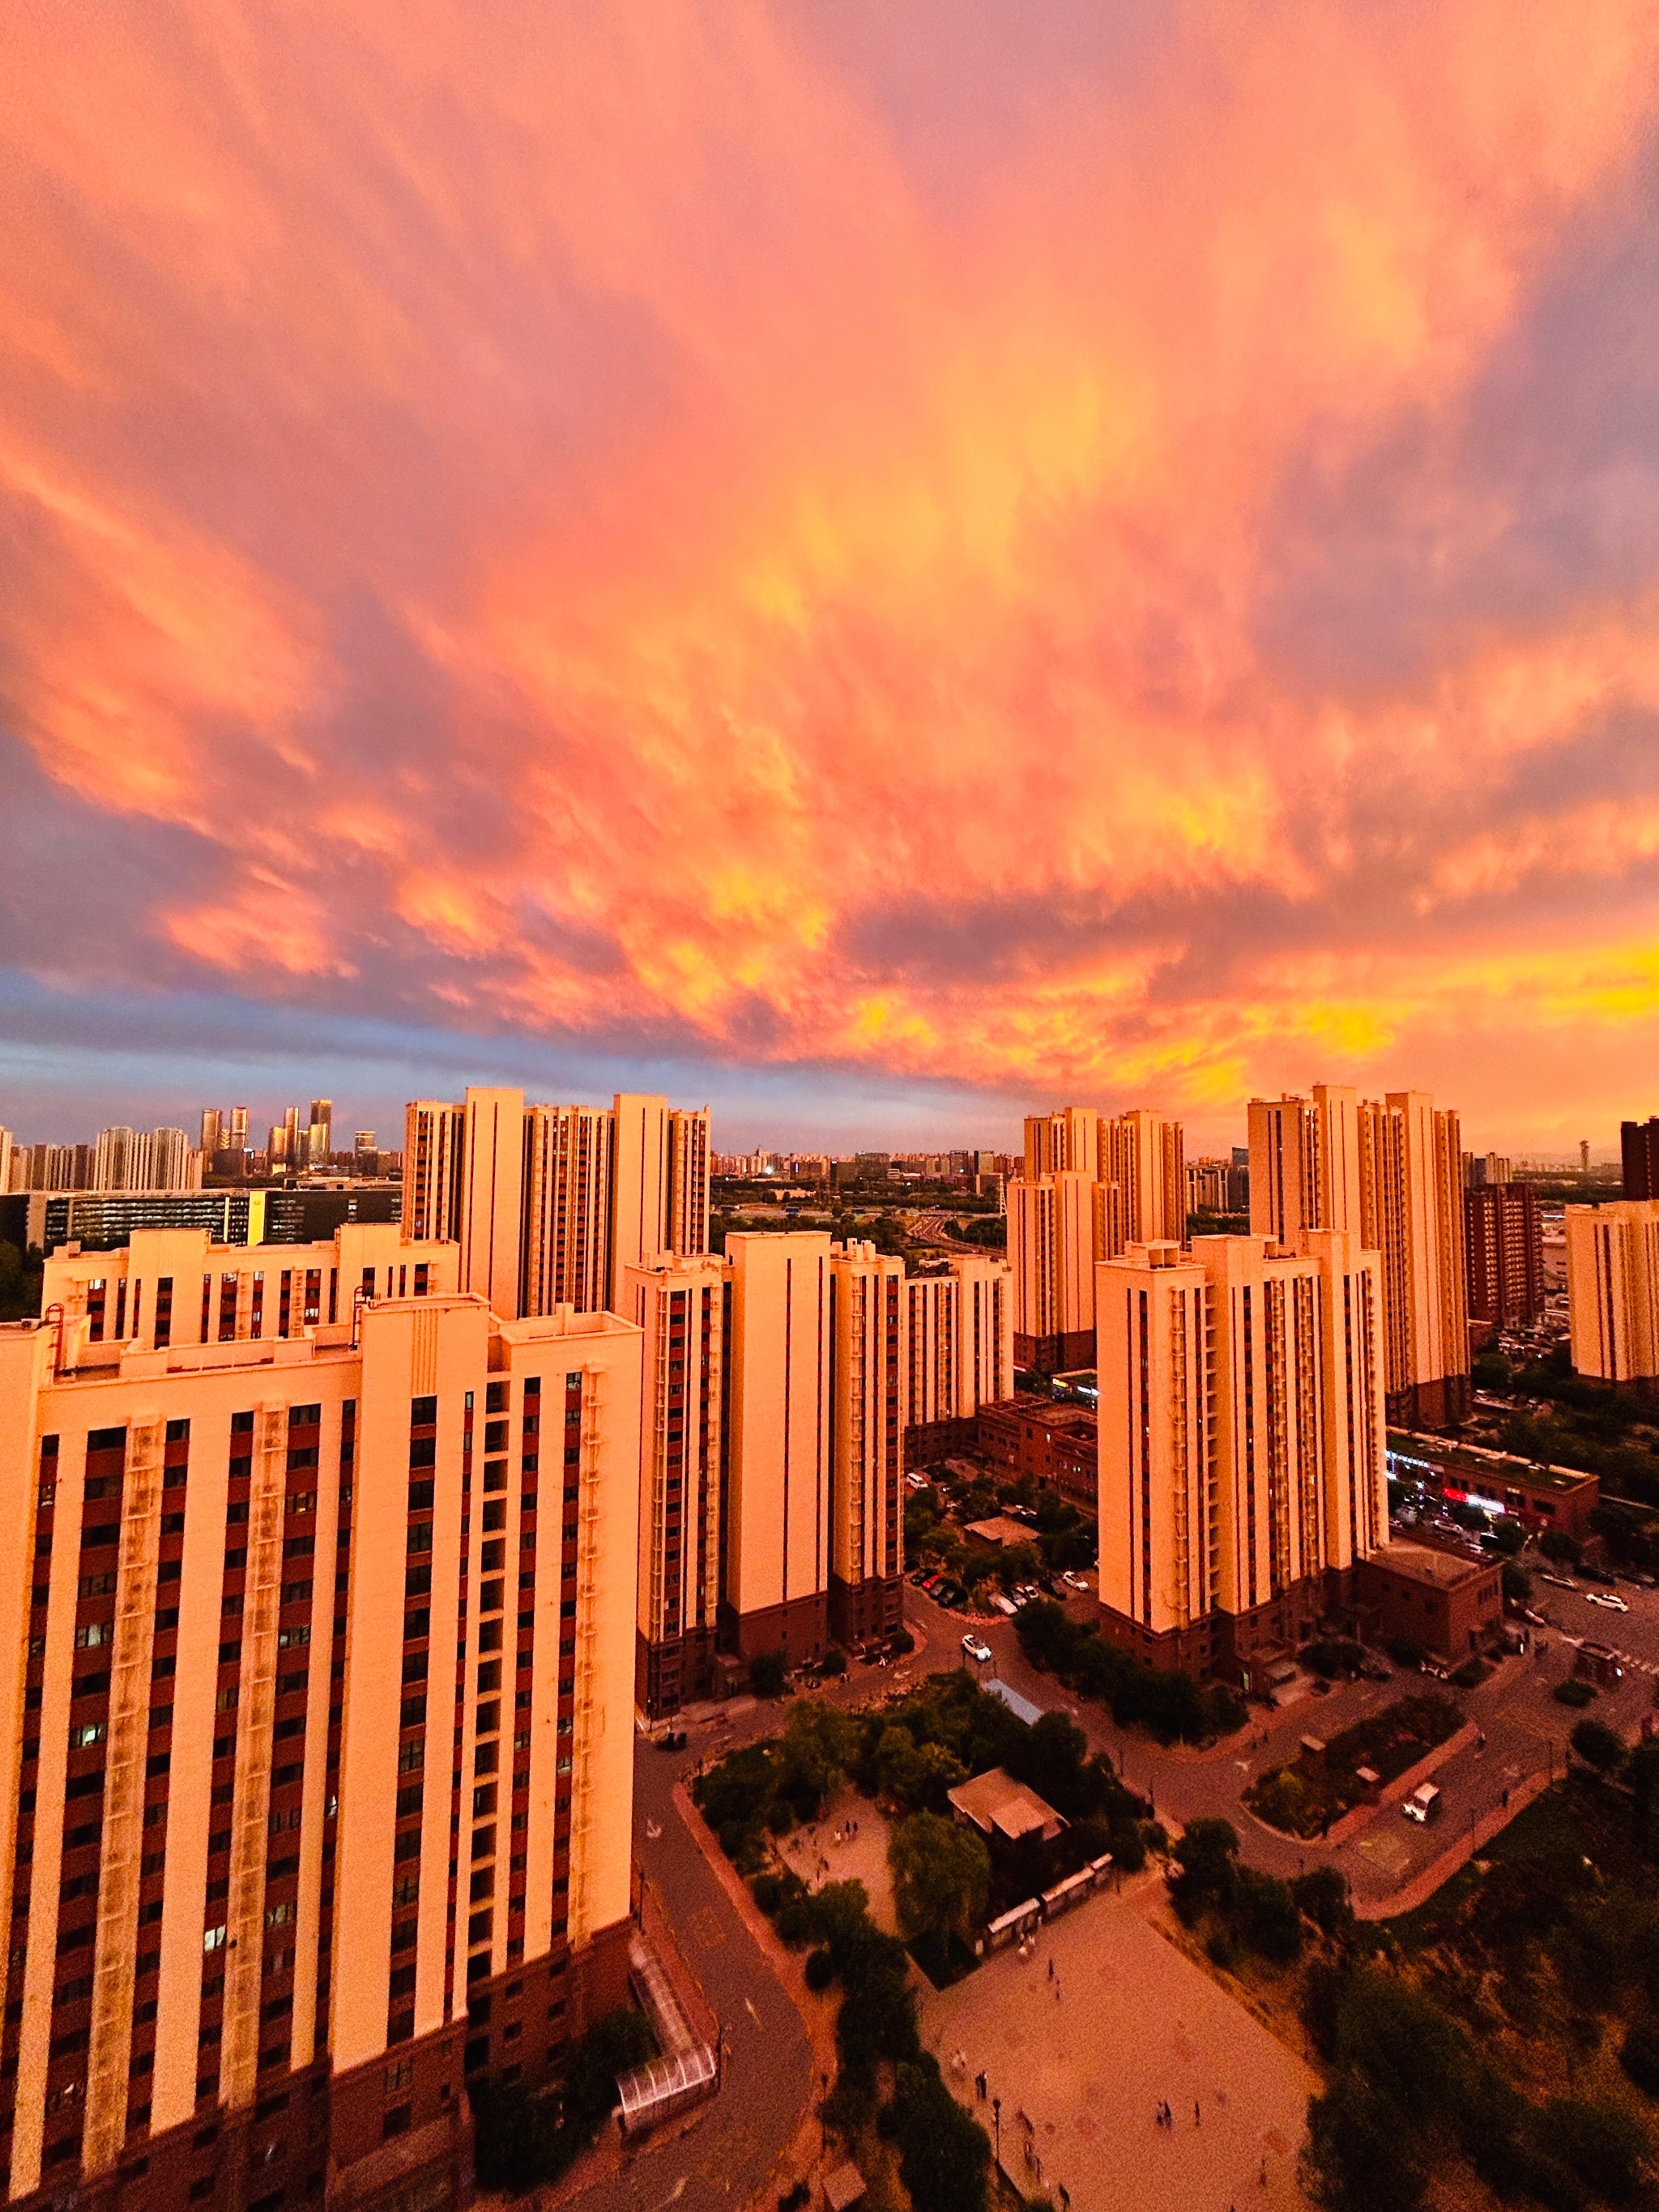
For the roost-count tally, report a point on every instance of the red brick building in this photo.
(1054, 1441)
(1418, 1594)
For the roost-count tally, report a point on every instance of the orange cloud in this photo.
(703, 538)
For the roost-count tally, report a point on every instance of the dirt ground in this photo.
(1082, 2059)
(823, 1852)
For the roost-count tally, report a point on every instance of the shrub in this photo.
(901, 1642)
(1266, 1916)
(768, 1672)
(1556, 1544)
(1517, 1583)
(1573, 1692)
(1405, 1651)
(834, 1661)
(819, 1970)
(1598, 1744)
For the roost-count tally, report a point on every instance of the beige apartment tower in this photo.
(1242, 1443)
(867, 1378)
(565, 1256)
(1613, 1292)
(680, 1308)
(168, 1288)
(435, 1146)
(1390, 1170)
(959, 1354)
(319, 1655)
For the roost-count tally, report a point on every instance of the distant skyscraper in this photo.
(319, 1134)
(8, 1148)
(1639, 1146)
(1506, 1232)
(492, 1197)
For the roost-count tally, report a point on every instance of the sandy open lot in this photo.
(1134, 2022)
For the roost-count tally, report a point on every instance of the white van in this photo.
(1424, 1804)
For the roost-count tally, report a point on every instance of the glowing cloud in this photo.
(1116, 555)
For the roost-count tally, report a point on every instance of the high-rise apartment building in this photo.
(1389, 1171)
(165, 1289)
(8, 1148)
(959, 1354)
(594, 1192)
(867, 1316)
(492, 1197)
(1058, 1226)
(567, 1208)
(1242, 1442)
(1613, 1290)
(320, 1133)
(1066, 1142)
(434, 1147)
(1504, 1234)
(1638, 1151)
(1123, 1180)
(775, 1590)
(679, 1305)
(1144, 1155)
(1411, 1178)
(318, 1663)
(134, 1159)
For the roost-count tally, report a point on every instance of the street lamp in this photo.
(996, 2116)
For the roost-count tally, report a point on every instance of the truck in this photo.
(1424, 1803)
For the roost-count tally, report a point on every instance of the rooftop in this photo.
(1475, 1460)
(1423, 1562)
(1000, 1529)
(996, 1803)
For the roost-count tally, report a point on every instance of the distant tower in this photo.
(1583, 1155)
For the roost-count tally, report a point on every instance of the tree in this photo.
(20, 1283)
(1361, 2153)
(941, 1877)
(1517, 1583)
(1207, 1856)
(1604, 2147)
(1053, 1761)
(1321, 1895)
(768, 1672)
(915, 1776)
(945, 2156)
(1598, 1744)
(1640, 2056)
(1556, 1544)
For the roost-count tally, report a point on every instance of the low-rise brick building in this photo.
(1450, 1604)
(1054, 1441)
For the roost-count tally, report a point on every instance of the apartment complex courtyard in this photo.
(1083, 2058)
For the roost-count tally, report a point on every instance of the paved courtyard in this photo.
(823, 1852)
(1135, 2022)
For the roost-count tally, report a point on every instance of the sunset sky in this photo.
(879, 564)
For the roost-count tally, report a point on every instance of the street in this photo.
(1526, 1731)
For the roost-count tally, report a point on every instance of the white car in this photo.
(1607, 1599)
(1074, 1581)
(978, 1652)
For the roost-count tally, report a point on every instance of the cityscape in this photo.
(829, 1106)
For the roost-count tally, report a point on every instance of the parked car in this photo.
(978, 1651)
(1598, 1575)
(1424, 1803)
(1557, 1582)
(1072, 1580)
(1608, 1599)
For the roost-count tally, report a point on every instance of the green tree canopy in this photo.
(941, 1877)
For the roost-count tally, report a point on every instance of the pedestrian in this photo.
(1051, 1965)
(980, 2085)
(1197, 2116)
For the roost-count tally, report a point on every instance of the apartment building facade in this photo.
(176, 1287)
(959, 1354)
(1613, 1292)
(1504, 1230)
(552, 1204)
(1389, 1170)
(1242, 1442)
(318, 1655)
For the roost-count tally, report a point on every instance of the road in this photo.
(722, 2159)
(1525, 1729)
